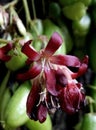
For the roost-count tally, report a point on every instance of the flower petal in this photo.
(6, 48)
(33, 99)
(66, 60)
(42, 113)
(82, 68)
(53, 44)
(32, 54)
(5, 57)
(61, 79)
(3, 52)
(50, 81)
(31, 73)
(71, 98)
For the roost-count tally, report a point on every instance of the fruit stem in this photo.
(34, 10)
(27, 12)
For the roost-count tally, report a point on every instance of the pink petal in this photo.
(6, 48)
(3, 52)
(32, 54)
(5, 57)
(61, 79)
(66, 60)
(33, 98)
(31, 73)
(82, 68)
(50, 81)
(42, 113)
(53, 44)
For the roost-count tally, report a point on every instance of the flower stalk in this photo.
(27, 12)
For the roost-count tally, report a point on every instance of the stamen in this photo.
(42, 97)
(43, 63)
(53, 104)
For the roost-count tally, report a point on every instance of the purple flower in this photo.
(3, 52)
(50, 76)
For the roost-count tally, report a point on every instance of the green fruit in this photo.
(37, 44)
(28, 36)
(36, 27)
(86, 2)
(15, 114)
(74, 11)
(67, 2)
(17, 60)
(81, 27)
(3, 86)
(54, 10)
(50, 28)
(89, 122)
(36, 125)
(6, 97)
(66, 34)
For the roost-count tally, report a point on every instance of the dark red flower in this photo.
(71, 97)
(3, 52)
(40, 101)
(50, 75)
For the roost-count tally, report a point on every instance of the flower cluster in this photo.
(54, 84)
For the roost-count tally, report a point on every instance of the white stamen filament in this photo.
(42, 97)
(52, 102)
(43, 63)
